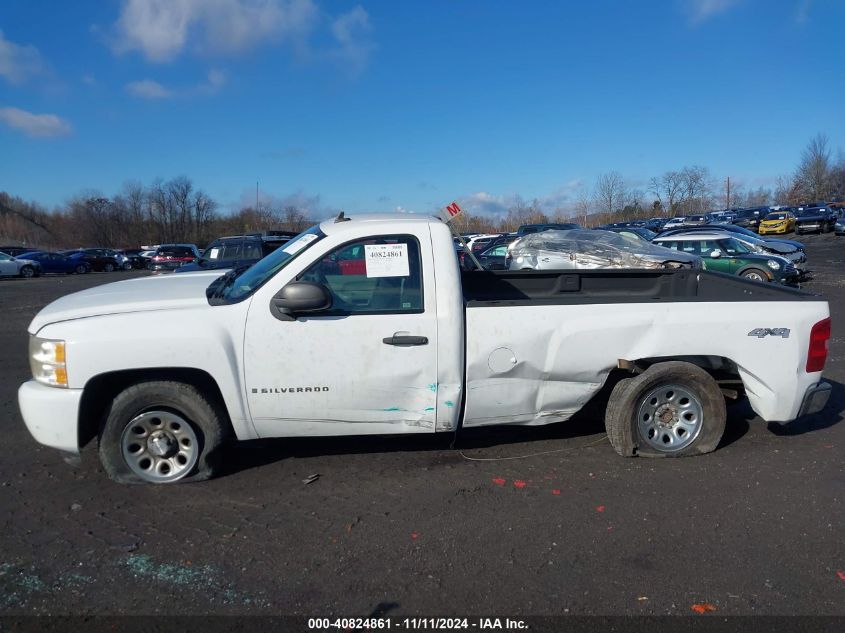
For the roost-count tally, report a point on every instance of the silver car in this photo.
(14, 267)
(581, 249)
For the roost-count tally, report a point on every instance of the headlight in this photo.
(773, 264)
(47, 361)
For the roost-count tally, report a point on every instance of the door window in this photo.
(379, 275)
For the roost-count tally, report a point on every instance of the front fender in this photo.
(207, 339)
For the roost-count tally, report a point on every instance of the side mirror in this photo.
(716, 253)
(300, 297)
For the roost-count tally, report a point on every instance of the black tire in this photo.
(81, 269)
(627, 434)
(754, 273)
(127, 265)
(109, 267)
(207, 420)
(27, 271)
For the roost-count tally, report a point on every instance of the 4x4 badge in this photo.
(762, 332)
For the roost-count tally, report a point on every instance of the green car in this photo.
(722, 253)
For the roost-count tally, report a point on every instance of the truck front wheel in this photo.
(672, 409)
(162, 432)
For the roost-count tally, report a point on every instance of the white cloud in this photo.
(703, 10)
(19, 62)
(148, 89)
(215, 80)
(161, 29)
(36, 125)
(352, 33)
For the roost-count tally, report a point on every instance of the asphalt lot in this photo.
(554, 523)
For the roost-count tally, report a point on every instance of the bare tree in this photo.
(609, 192)
(814, 170)
(668, 189)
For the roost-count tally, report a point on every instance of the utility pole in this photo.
(728, 197)
(256, 195)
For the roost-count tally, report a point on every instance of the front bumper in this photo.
(772, 230)
(51, 414)
(815, 399)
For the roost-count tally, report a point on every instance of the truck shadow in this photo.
(587, 425)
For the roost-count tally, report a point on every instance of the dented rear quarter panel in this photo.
(561, 355)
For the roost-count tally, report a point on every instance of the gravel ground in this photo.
(554, 522)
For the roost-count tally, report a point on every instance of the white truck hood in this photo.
(166, 292)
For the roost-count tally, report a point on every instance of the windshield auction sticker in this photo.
(297, 245)
(386, 260)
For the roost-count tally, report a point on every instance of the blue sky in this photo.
(378, 105)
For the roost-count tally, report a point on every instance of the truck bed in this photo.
(540, 344)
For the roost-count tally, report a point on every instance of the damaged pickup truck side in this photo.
(367, 326)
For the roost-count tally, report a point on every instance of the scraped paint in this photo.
(703, 608)
(519, 484)
(433, 387)
(449, 403)
(500, 481)
(428, 409)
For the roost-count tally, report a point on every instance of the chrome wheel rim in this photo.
(753, 276)
(669, 418)
(159, 446)
(26, 271)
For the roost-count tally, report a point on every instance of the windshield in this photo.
(776, 216)
(235, 287)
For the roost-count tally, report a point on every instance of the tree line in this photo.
(159, 213)
(177, 211)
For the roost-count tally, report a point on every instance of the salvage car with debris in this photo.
(401, 341)
(583, 249)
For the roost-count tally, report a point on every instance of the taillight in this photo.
(819, 337)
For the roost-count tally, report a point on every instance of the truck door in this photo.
(368, 364)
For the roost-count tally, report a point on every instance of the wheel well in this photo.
(723, 370)
(100, 390)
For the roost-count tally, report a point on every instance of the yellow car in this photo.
(777, 222)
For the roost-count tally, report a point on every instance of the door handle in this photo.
(405, 340)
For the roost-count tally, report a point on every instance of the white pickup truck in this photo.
(368, 326)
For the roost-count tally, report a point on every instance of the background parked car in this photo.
(527, 229)
(839, 227)
(721, 252)
(583, 249)
(777, 222)
(14, 251)
(136, 257)
(815, 220)
(750, 218)
(634, 232)
(237, 250)
(778, 244)
(98, 259)
(172, 256)
(56, 263)
(14, 267)
(674, 223)
(493, 257)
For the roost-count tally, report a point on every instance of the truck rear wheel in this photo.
(672, 409)
(162, 432)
